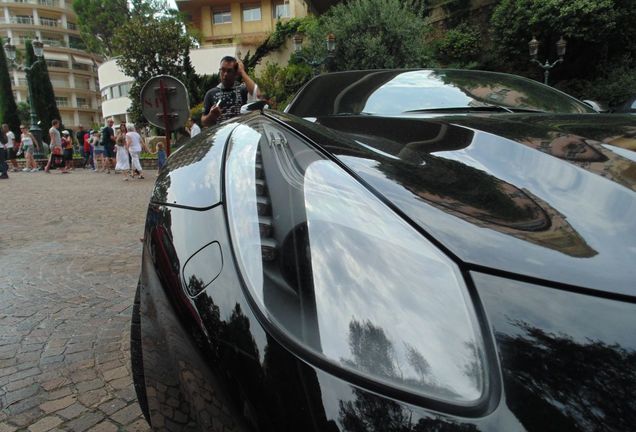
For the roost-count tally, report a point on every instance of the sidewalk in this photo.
(69, 263)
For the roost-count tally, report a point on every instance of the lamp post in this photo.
(38, 49)
(297, 41)
(533, 47)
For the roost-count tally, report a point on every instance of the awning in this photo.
(83, 60)
(55, 56)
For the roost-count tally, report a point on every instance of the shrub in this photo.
(460, 46)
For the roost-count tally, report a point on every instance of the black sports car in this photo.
(428, 250)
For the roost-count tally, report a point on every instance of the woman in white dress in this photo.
(135, 144)
(123, 163)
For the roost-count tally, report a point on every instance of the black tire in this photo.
(136, 357)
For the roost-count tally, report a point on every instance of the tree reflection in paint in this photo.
(373, 352)
(554, 383)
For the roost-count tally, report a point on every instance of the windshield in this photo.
(398, 92)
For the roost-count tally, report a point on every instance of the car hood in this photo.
(545, 197)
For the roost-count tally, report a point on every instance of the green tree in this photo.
(373, 34)
(460, 47)
(191, 80)
(98, 21)
(8, 108)
(42, 91)
(168, 39)
(280, 83)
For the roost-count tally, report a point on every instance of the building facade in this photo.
(243, 24)
(72, 70)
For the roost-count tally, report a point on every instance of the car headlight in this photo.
(343, 279)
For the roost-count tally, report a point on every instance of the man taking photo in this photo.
(225, 100)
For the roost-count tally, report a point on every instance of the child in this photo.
(123, 163)
(161, 156)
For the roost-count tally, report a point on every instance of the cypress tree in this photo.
(42, 91)
(8, 107)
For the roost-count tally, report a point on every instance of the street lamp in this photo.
(533, 47)
(38, 49)
(297, 41)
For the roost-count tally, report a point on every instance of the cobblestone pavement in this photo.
(69, 263)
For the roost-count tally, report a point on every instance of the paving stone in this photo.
(112, 406)
(66, 322)
(72, 411)
(7, 428)
(116, 373)
(84, 422)
(104, 426)
(45, 424)
(57, 405)
(127, 415)
(138, 426)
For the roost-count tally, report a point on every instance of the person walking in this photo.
(3, 156)
(193, 128)
(10, 146)
(88, 150)
(67, 146)
(98, 152)
(108, 141)
(28, 144)
(80, 134)
(225, 100)
(123, 161)
(135, 144)
(55, 145)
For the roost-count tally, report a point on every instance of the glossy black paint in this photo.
(537, 211)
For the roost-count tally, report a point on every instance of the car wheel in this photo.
(136, 358)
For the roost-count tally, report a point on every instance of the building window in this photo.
(116, 92)
(61, 101)
(105, 95)
(49, 22)
(82, 67)
(124, 90)
(281, 10)
(22, 19)
(51, 3)
(82, 102)
(222, 16)
(56, 63)
(53, 41)
(252, 12)
(71, 26)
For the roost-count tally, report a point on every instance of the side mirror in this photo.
(254, 106)
(596, 106)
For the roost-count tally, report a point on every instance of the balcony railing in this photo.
(54, 42)
(49, 22)
(60, 84)
(83, 67)
(22, 20)
(71, 26)
(51, 3)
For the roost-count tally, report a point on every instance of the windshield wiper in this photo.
(488, 108)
